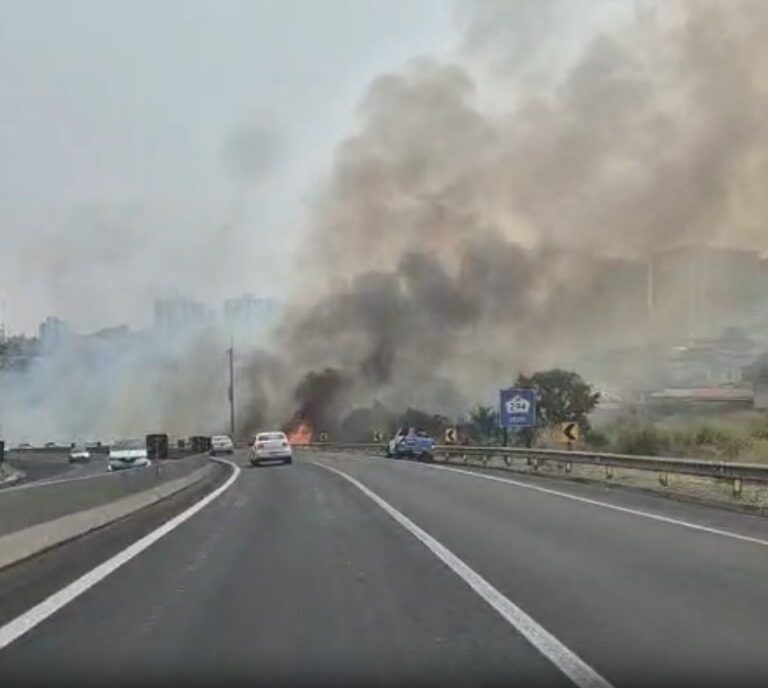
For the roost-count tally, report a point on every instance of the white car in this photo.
(221, 444)
(127, 454)
(79, 455)
(271, 446)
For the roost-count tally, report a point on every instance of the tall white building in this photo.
(248, 317)
(52, 333)
(179, 313)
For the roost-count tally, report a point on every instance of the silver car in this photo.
(221, 444)
(271, 446)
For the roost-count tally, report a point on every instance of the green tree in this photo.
(484, 424)
(562, 396)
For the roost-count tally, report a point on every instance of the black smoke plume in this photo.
(482, 222)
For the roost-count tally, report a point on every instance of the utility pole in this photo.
(231, 352)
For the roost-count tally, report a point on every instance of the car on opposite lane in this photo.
(125, 454)
(221, 444)
(271, 446)
(79, 455)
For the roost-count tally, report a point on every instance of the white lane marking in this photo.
(564, 659)
(40, 612)
(608, 505)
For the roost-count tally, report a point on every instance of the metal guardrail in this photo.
(734, 471)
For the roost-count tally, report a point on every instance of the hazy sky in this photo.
(146, 146)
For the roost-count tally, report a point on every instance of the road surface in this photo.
(297, 575)
(44, 466)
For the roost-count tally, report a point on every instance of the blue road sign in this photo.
(517, 408)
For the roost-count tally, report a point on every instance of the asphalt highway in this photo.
(44, 466)
(366, 571)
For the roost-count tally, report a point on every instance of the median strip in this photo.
(40, 612)
(27, 542)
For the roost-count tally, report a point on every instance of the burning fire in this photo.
(301, 434)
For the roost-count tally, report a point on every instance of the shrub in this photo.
(597, 439)
(645, 440)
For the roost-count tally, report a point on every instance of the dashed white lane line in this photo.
(564, 659)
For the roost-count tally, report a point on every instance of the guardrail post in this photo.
(609, 472)
(663, 479)
(568, 466)
(737, 487)
(464, 458)
(534, 463)
(508, 460)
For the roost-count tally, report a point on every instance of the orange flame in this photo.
(301, 434)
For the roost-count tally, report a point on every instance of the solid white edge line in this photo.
(564, 659)
(607, 505)
(40, 612)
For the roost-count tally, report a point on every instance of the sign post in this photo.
(570, 432)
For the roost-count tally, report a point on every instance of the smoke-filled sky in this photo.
(146, 146)
(495, 212)
(448, 193)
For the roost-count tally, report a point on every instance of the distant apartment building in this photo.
(179, 313)
(52, 333)
(697, 291)
(114, 333)
(248, 317)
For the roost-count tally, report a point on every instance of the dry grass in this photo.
(740, 436)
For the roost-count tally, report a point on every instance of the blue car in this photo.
(411, 443)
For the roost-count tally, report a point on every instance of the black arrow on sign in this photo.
(570, 431)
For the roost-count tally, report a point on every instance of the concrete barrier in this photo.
(36, 517)
(22, 544)
(10, 477)
(24, 505)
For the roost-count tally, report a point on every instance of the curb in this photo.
(22, 544)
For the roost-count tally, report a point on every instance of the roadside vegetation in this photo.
(563, 396)
(738, 436)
